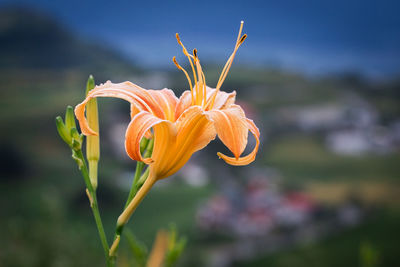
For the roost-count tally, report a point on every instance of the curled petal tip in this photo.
(89, 131)
(250, 157)
(80, 115)
(237, 161)
(148, 160)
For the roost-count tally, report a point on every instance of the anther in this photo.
(242, 39)
(176, 63)
(178, 39)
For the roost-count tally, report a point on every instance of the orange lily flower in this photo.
(180, 126)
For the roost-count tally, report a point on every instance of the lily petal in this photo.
(194, 132)
(194, 124)
(139, 98)
(222, 100)
(231, 127)
(139, 126)
(134, 110)
(137, 95)
(167, 100)
(184, 102)
(249, 158)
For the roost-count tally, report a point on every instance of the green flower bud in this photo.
(90, 84)
(92, 142)
(143, 144)
(70, 118)
(63, 131)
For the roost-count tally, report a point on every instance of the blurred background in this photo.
(320, 79)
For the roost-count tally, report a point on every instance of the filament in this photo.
(240, 39)
(186, 74)
(189, 57)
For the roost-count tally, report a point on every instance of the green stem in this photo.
(138, 172)
(100, 229)
(136, 184)
(133, 191)
(95, 209)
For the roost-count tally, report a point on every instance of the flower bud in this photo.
(77, 139)
(70, 118)
(63, 131)
(89, 84)
(92, 142)
(143, 144)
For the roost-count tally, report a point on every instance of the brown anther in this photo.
(178, 39)
(242, 39)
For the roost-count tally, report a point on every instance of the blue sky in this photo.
(307, 36)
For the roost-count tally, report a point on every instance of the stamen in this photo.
(178, 39)
(227, 67)
(228, 64)
(202, 85)
(240, 39)
(186, 74)
(240, 31)
(199, 91)
(189, 57)
(196, 61)
(204, 89)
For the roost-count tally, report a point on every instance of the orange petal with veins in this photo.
(139, 98)
(222, 100)
(249, 158)
(194, 132)
(231, 127)
(138, 127)
(167, 101)
(184, 103)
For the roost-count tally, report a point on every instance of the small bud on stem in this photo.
(92, 141)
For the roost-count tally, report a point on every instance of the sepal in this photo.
(77, 139)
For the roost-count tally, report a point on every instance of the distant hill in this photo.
(33, 40)
(44, 67)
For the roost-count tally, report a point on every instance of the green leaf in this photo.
(369, 255)
(138, 249)
(175, 247)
